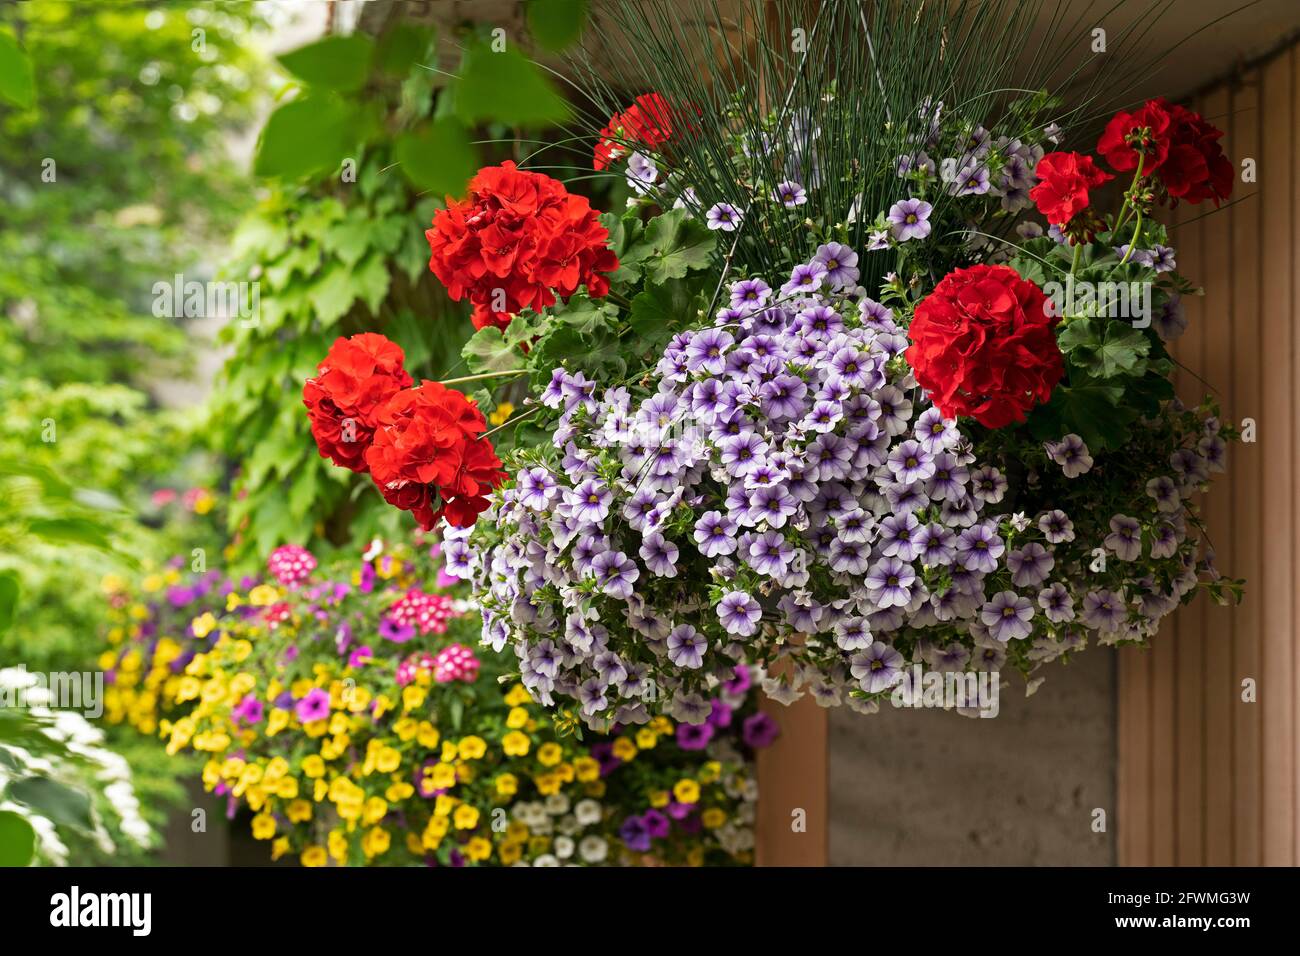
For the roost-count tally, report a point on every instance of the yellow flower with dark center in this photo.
(713, 817)
(478, 849)
(263, 826)
(587, 769)
(472, 748)
(375, 842)
(406, 728)
(686, 791)
(517, 718)
(314, 856)
(549, 754)
(313, 766)
(427, 735)
(624, 749)
(515, 744)
(646, 738)
(298, 811)
(507, 784)
(518, 696)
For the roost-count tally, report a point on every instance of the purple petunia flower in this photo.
(805, 278)
(739, 613)
(694, 736)
(1057, 605)
(1125, 538)
(978, 548)
(1103, 610)
(715, 534)
(910, 219)
(840, 263)
(1007, 616)
(615, 573)
(686, 646)
(1071, 454)
(1030, 565)
(705, 353)
(790, 194)
(749, 294)
(314, 706)
(635, 834)
(877, 668)
(889, 582)
(759, 730)
(591, 501)
(723, 216)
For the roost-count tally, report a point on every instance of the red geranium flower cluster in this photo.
(984, 345)
(428, 454)
(1064, 180)
(1182, 150)
(356, 376)
(647, 123)
(423, 446)
(519, 240)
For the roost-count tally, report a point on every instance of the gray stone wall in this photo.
(929, 787)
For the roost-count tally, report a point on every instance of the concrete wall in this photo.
(929, 787)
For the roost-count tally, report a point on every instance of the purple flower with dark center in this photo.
(978, 548)
(361, 656)
(790, 194)
(847, 556)
(739, 613)
(773, 505)
(769, 553)
(759, 730)
(1030, 565)
(934, 432)
(615, 573)
(591, 695)
(742, 453)
(949, 479)
(659, 555)
(656, 824)
(854, 368)
(723, 216)
(1057, 605)
(1162, 258)
(935, 545)
(1214, 450)
(750, 294)
(1125, 538)
(971, 181)
(536, 488)
(1164, 540)
(719, 714)
(686, 646)
(897, 533)
(741, 681)
(854, 525)
(910, 219)
(1104, 610)
(988, 485)
(1057, 528)
(910, 462)
(878, 240)
(879, 667)
(591, 501)
(806, 277)
(828, 458)
(706, 350)
(314, 706)
(249, 710)
(1007, 616)
(1165, 493)
(1071, 454)
(783, 396)
(840, 262)
(397, 633)
(694, 736)
(634, 833)
(852, 634)
(819, 322)
(823, 417)
(889, 583)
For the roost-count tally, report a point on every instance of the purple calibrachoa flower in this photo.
(591, 501)
(686, 646)
(978, 548)
(739, 613)
(314, 706)
(1057, 604)
(715, 533)
(806, 277)
(889, 583)
(705, 353)
(694, 736)
(723, 216)
(877, 668)
(536, 488)
(1057, 528)
(910, 219)
(1071, 454)
(790, 194)
(749, 294)
(615, 573)
(1103, 610)
(840, 263)
(759, 730)
(769, 553)
(1007, 616)
(1030, 565)
(1125, 538)
(659, 555)
(635, 834)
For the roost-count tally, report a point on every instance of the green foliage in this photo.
(16, 83)
(556, 24)
(339, 63)
(17, 840)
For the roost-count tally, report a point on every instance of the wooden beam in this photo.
(793, 776)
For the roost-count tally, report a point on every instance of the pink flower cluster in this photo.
(456, 662)
(427, 612)
(291, 564)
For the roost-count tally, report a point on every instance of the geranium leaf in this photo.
(488, 351)
(1105, 349)
(335, 63)
(672, 245)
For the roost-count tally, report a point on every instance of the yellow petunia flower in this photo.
(465, 817)
(517, 718)
(507, 784)
(686, 791)
(263, 826)
(515, 744)
(713, 817)
(624, 749)
(501, 414)
(473, 748)
(298, 811)
(518, 696)
(478, 849)
(375, 842)
(427, 735)
(313, 766)
(314, 856)
(549, 754)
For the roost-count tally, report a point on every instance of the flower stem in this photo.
(515, 373)
(1124, 210)
(514, 421)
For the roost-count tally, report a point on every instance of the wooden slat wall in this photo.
(1205, 778)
